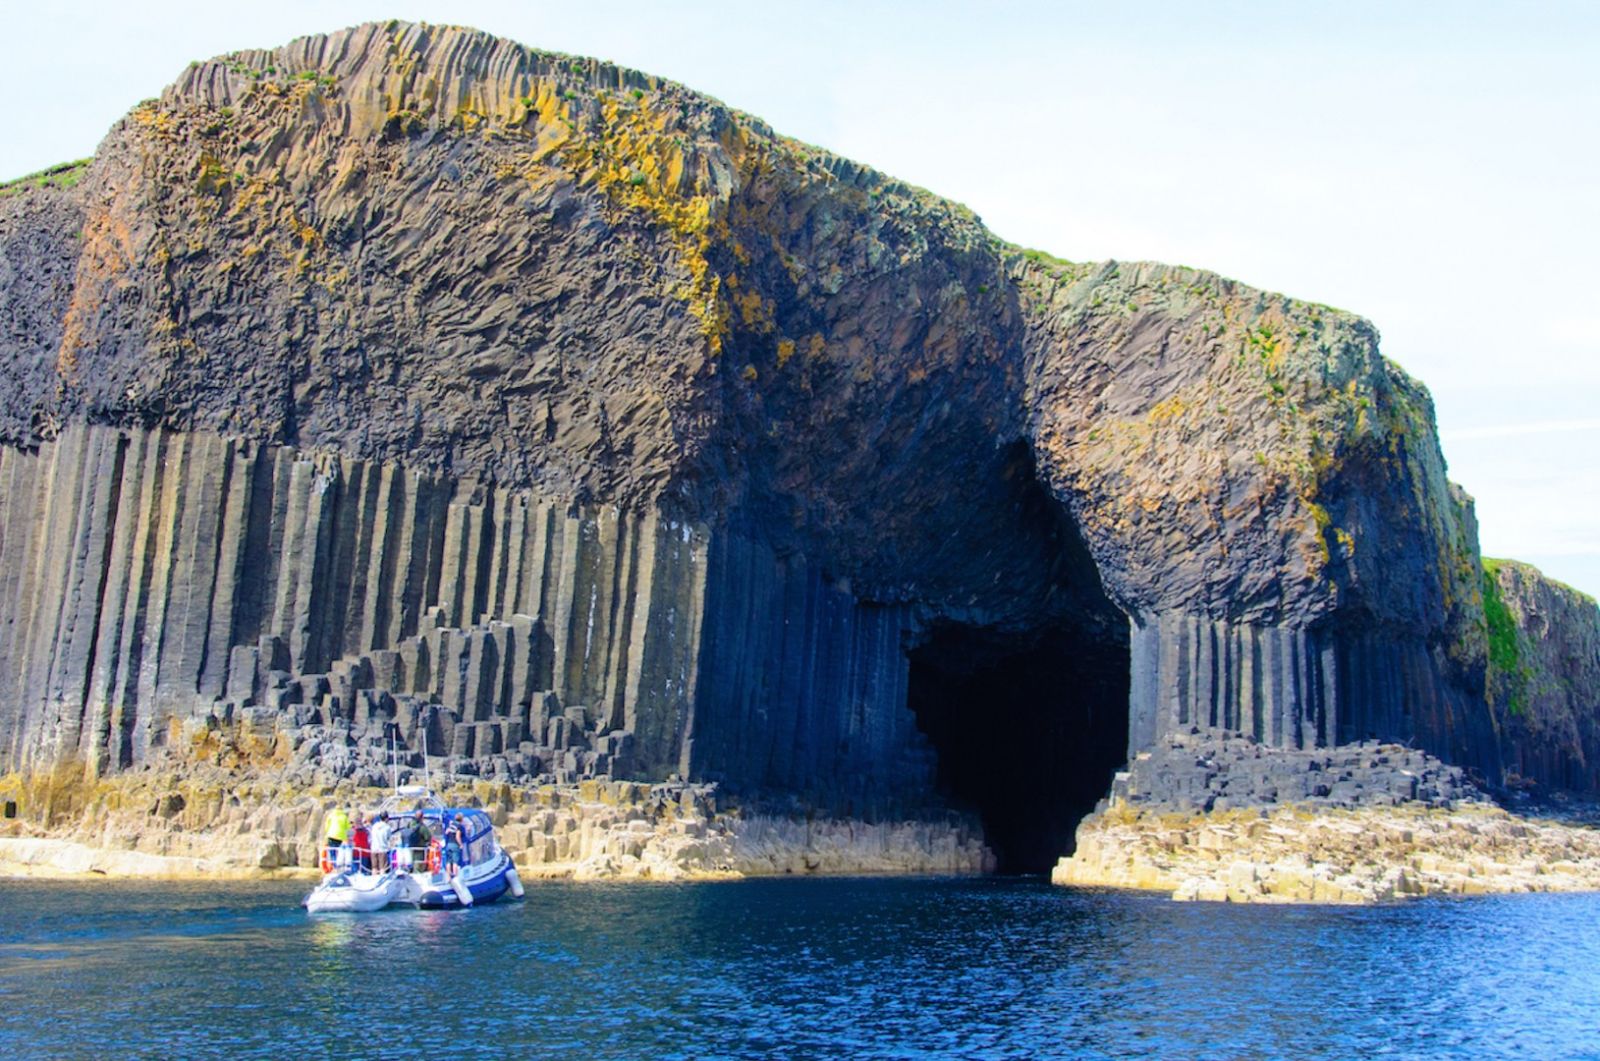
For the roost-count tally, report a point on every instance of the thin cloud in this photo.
(1538, 427)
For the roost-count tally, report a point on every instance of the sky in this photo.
(1434, 167)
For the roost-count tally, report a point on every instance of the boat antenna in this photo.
(427, 774)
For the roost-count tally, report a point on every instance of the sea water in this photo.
(801, 968)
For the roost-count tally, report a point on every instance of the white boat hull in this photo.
(354, 893)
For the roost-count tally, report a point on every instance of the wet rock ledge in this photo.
(1228, 821)
(1367, 854)
(200, 821)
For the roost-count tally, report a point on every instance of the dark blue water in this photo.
(791, 968)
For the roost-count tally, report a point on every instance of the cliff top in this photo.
(1528, 572)
(429, 245)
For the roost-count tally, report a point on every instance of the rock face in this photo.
(206, 823)
(1544, 669)
(1361, 855)
(1206, 773)
(405, 366)
(155, 571)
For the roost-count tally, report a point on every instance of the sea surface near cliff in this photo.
(818, 968)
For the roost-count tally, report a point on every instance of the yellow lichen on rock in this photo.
(215, 812)
(1362, 855)
(630, 156)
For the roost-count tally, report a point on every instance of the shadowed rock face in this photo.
(477, 290)
(1543, 674)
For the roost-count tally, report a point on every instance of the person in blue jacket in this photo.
(455, 844)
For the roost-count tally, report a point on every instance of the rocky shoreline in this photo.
(1197, 817)
(1299, 854)
(219, 825)
(1207, 818)
(208, 823)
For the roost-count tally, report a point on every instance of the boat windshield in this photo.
(480, 835)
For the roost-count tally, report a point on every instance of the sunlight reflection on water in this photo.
(815, 968)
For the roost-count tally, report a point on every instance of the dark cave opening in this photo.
(1028, 728)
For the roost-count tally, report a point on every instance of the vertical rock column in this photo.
(801, 687)
(1294, 688)
(613, 598)
(135, 562)
(1277, 685)
(152, 574)
(61, 612)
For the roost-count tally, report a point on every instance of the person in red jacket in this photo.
(360, 845)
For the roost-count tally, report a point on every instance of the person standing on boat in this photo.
(380, 842)
(336, 827)
(455, 842)
(361, 843)
(419, 838)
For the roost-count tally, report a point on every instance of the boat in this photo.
(418, 876)
(349, 892)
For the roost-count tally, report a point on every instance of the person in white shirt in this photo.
(379, 834)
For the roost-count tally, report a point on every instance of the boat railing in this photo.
(346, 859)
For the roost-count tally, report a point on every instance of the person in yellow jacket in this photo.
(336, 827)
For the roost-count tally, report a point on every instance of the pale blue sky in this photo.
(1433, 166)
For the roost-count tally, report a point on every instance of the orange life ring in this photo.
(327, 863)
(433, 856)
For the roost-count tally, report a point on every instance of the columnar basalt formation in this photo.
(159, 574)
(1544, 668)
(561, 414)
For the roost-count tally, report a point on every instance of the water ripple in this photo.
(792, 968)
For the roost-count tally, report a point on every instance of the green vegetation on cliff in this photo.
(1543, 669)
(1506, 676)
(63, 175)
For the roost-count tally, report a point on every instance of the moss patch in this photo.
(1507, 679)
(65, 175)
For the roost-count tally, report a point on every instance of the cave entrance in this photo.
(1028, 728)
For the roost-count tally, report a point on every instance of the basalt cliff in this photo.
(557, 422)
